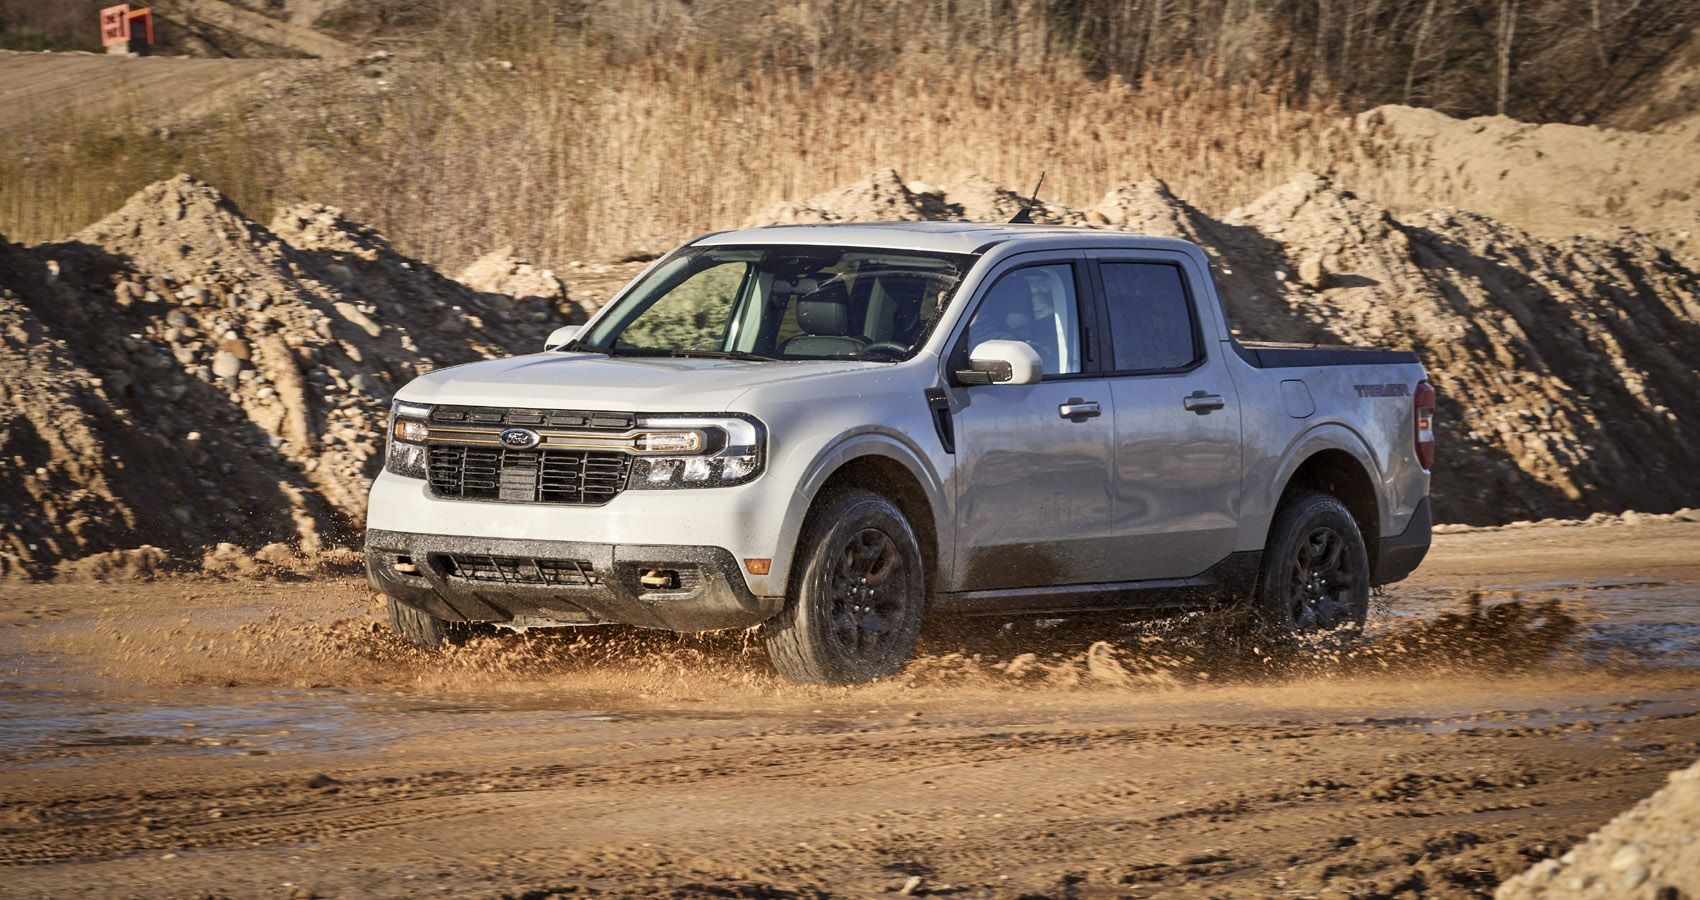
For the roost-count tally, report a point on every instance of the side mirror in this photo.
(562, 336)
(1002, 362)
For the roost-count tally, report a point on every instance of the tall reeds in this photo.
(569, 154)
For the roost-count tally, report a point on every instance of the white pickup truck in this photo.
(830, 431)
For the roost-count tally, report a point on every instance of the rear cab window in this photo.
(1152, 320)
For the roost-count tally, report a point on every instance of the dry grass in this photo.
(567, 157)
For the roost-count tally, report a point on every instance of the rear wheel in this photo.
(855, 613)
(1315, 570)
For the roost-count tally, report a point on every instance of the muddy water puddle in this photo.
(311, 669)
(1630, 620)
(44, 726)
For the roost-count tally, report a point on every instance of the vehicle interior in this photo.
(786, 303)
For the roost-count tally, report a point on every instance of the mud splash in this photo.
(1479, 636)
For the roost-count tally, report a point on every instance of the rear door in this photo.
(1034, 461)
(1177, 423)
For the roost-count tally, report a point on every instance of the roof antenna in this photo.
(1025, 217)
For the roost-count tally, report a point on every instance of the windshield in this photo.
(782, 302)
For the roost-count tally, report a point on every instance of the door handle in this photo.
(1202, 403)
(1078, 410)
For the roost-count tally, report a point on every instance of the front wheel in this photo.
(419, 628)
(855, 612)
(1315, 570)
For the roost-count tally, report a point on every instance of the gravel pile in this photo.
(1652, 851)
(180, 375)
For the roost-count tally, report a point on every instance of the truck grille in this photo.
(520, 570)
(527, 476)
(557, 418)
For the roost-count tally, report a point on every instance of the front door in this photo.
(1035, 461)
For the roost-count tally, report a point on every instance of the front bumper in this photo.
(478, 579)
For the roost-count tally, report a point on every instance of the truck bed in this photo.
(1269, 355)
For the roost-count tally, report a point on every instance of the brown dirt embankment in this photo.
(180, 375)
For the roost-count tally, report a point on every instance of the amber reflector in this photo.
(758, 566)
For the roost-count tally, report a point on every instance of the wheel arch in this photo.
(890, 469)
(1337, 462)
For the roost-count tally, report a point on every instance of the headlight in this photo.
(693, 452)
(405, 451)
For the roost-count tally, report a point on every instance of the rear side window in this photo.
(1151, 325)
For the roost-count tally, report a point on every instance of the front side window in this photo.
(783, 302)
(1037, 306)
(1150, 317)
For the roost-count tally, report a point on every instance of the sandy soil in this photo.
(265, 739)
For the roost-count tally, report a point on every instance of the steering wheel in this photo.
(892, 347)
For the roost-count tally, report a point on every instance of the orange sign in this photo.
(118, 23)
(115, 25)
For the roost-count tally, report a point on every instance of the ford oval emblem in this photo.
(520, 438)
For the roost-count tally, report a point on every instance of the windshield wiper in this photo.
(687, 353)
(721, 354)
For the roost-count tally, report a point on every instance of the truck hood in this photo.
(595, 381)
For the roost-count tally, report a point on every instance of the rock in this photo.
(369, 385)
(912, 886)
(354, 315)
(226, 365)
(1311, 273)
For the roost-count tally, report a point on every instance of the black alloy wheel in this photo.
(855, 608)
(1319, 589)
(1315, 570)
(869, 592)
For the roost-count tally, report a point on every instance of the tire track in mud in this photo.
(271, 812)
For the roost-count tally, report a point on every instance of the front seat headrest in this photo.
(826, 311)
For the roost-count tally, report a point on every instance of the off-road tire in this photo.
(420, 629)
(857, 595)
(1315, 577)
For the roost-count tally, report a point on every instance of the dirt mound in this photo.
(1562, 365)
(881, 197)
(1650, 851)
(1553, 179)
(500, 272)
(181, 375)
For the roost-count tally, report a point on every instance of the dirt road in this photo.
(262, 739)
(55, 88)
